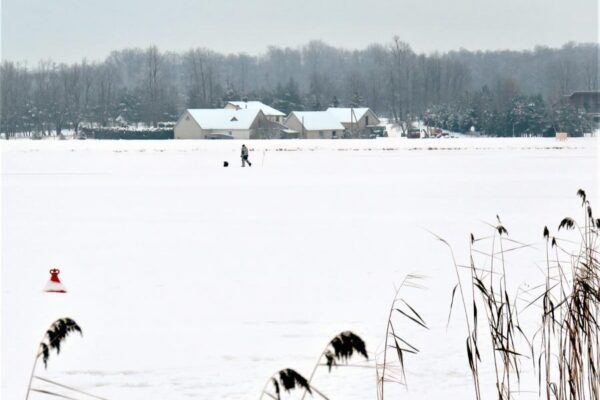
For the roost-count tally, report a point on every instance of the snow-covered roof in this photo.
(344, 115)
(221, 118)
(318, 120)
(257, 105)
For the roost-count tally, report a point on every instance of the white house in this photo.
(354, 119)
(315, 124)
(269, 112)
(221, 124)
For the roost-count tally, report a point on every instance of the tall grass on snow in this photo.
(288, 380)
(564, 349)
(338, 351)
(389, 363)
(569, 358)
(391, 369)
(53, 339)
(487, 297)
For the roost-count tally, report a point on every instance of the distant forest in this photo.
(495, 92)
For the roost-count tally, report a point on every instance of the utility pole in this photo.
(352, 118)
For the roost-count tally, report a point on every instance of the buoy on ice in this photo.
(54, 285)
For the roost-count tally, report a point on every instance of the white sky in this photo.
(69, 30)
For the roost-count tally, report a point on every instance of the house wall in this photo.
(243, 134)
(260, 128)
(187, 128)
(295, 124)
(373, 119)
(362, 123)
(588, 102)
(326, 134)
(275, 118)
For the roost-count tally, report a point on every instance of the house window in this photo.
(321, 134)
(230, 133)
(187, 118)
(333, 134)
(367, 120)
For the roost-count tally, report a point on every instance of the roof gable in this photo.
(257, 105)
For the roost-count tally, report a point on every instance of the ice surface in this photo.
(191, 280)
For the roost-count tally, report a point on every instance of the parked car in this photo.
(377, 131)
(413, 133)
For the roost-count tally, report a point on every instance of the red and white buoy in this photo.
(54, 285)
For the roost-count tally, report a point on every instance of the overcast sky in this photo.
(69, 30)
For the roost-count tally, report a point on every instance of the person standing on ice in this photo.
(245, 156)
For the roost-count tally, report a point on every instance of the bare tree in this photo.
(152, 84)
(396, 82)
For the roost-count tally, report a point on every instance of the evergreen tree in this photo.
(566, 118)
(231, 94)
(527, 116)
(357, 101)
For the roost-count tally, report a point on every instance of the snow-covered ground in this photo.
(191, 280)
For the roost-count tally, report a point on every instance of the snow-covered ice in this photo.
(191, 280)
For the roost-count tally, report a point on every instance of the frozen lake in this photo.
(191, 280)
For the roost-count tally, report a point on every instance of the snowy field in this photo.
(191, 280)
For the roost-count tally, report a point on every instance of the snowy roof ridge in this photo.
(221, 118)
(257, 105)
(318, 120)
(344, 115)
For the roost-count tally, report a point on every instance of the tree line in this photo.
(521, 115)
(495, 92)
